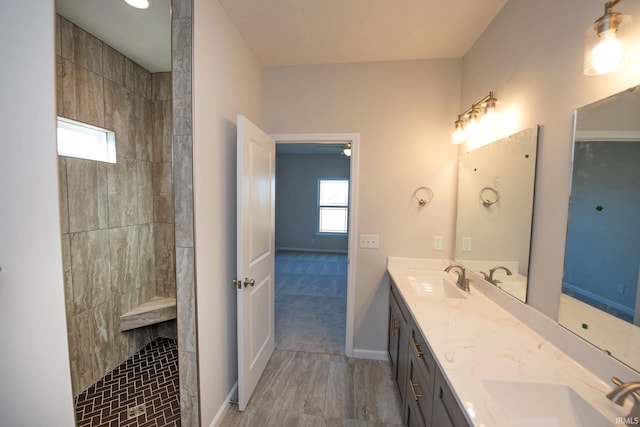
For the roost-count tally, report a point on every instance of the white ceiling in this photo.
(142, 35)
(294, 32)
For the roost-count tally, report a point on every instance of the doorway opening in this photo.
(316, 194)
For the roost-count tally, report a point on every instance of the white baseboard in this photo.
(360, 353)
(225, 407)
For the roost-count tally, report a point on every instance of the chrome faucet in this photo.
(490, 278)
(620, 393)
(462, 282)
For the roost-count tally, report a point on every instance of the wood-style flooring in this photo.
(302, 389)
(309, 382)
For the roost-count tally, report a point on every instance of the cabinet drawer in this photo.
(424, 359)
(418, 395)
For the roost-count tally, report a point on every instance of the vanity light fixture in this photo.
(482, 115)
(138, 4)
(608, 41)
(346, 151)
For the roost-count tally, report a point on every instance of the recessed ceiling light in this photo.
(138, 4)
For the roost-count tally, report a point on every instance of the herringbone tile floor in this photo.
(145, 384)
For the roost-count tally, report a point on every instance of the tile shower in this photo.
(117, 219)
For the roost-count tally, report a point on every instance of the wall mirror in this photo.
(495, 209)
(600, 299)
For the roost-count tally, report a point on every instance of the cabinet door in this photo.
(398, 346)
(399, 340)
(446, 410)
(393, 339)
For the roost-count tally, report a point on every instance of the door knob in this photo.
(249, 282)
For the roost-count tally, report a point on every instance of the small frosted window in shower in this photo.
(83, 141)
(333, 204)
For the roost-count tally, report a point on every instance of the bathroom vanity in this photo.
(460, 359)
(425, 397)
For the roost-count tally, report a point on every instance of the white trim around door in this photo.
(354, 140)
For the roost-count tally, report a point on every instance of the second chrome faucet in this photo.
(489, 277)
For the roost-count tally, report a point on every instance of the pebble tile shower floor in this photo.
(142, 392)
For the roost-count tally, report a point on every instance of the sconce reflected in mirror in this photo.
(489, 196)
(479, 119)
(346, 150)
(610, 41)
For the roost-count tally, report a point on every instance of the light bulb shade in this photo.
(458, 136)
(471, 130)
(609, 43)
(489, 126)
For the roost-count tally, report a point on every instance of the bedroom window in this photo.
(333, 206)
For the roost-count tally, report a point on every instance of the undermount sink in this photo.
(528, 404)
(430, 286)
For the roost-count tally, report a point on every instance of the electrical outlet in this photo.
(437, 243)
(369, 241)
(621, 288)
(466, 244)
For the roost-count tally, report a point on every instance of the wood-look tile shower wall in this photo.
(117, 219)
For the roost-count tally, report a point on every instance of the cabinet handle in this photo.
(413, 385)
(419, 353)
(392, 326)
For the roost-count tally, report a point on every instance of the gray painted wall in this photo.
(297, 178)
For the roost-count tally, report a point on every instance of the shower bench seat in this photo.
(156, 310)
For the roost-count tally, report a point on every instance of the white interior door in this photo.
(256, 247)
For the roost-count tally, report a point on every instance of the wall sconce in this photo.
(608, 42)
(346, 150)
(481, 116)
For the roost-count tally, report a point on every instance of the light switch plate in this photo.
(369, 241)
(466, 244)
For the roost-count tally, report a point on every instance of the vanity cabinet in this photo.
(425, 397)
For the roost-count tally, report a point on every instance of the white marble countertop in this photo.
(473, 339)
